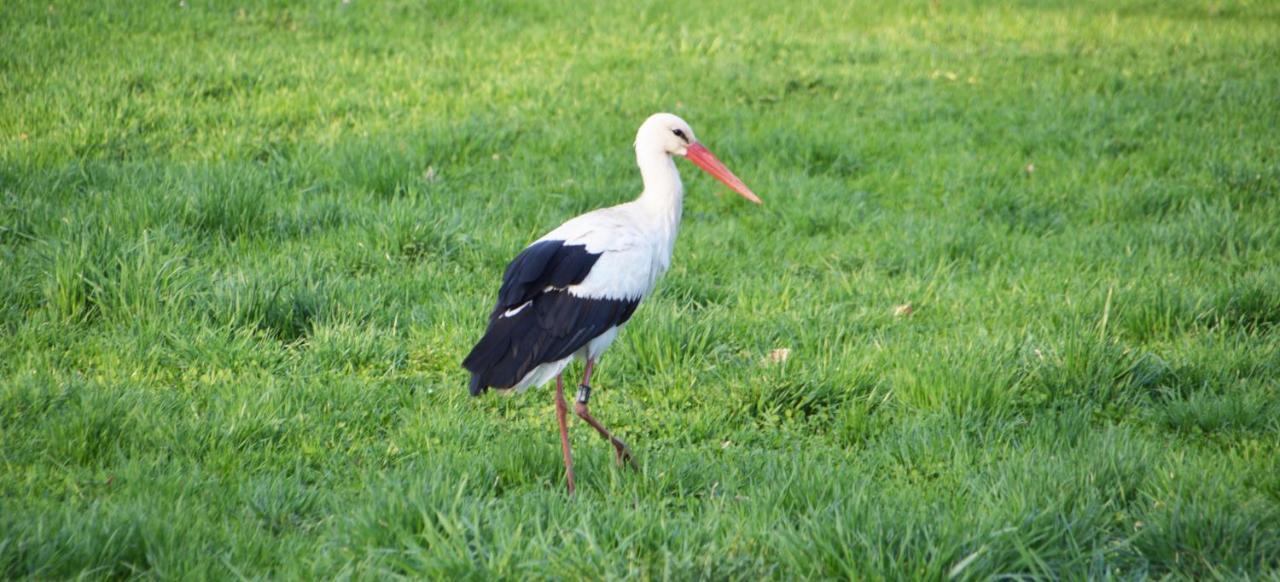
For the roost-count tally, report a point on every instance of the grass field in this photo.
(243, 251)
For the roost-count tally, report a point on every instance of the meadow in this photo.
(244, 249)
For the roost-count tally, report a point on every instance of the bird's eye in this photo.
(680, 134)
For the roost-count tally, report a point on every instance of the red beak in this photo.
(704, 159)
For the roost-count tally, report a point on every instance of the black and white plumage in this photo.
(569, 293)
(543, 319)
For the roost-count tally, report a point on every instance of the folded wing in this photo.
(541, 316)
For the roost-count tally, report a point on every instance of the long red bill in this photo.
(710, 164)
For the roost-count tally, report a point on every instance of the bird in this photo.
(568, 294)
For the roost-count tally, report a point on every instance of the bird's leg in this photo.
(562, 413)
(622, 453)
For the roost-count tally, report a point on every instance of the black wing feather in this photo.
(549, 263)
(553, 325)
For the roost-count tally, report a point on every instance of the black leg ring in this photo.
(584, 394)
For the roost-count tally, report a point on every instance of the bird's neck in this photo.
(663, 196)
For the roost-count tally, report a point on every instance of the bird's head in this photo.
(672, 136)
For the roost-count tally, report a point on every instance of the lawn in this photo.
(243, 252)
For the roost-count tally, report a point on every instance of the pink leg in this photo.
(622, 452)
(586, 373)
(562, 410)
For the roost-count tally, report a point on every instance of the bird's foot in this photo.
(622, 453)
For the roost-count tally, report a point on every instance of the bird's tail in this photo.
(479, 363)
(491, 362)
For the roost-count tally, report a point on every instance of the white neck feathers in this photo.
(663, 196)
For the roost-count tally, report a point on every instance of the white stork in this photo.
(569, 293)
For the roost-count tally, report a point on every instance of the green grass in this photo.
(245, 249)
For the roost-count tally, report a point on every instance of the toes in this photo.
(623, 455)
